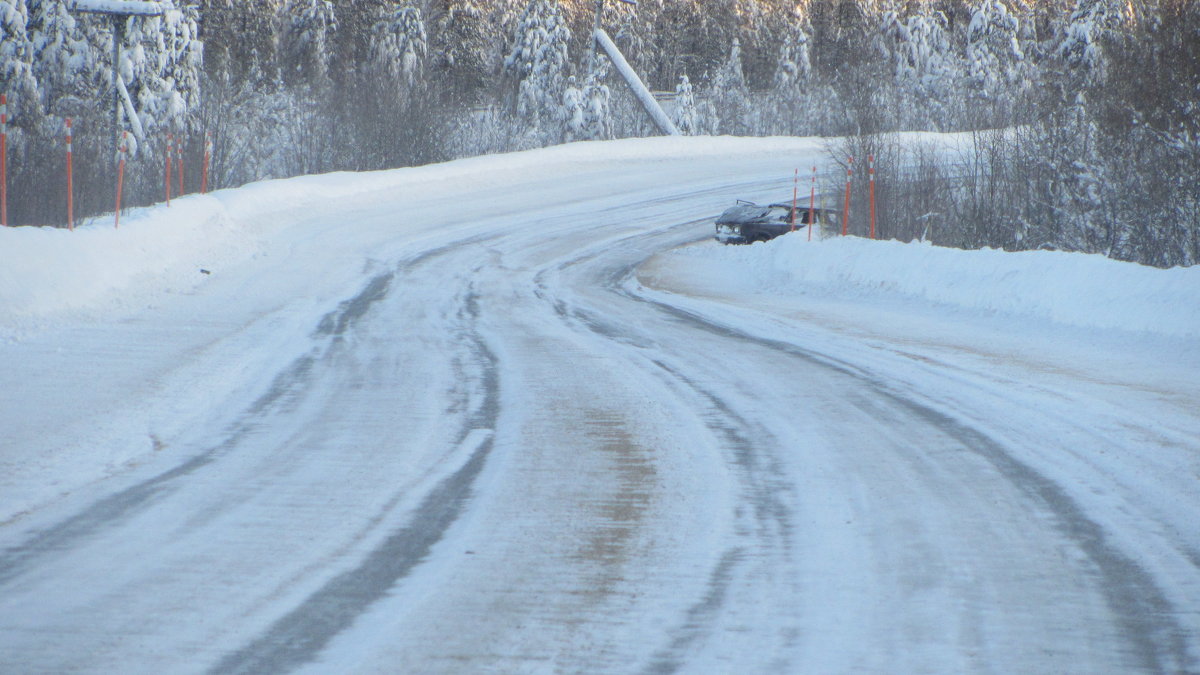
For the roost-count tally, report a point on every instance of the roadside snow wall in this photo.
(1077, 289)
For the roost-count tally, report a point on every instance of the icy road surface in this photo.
(518, 415)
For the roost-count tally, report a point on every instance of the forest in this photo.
(1081, 116)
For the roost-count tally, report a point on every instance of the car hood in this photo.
(744, 214)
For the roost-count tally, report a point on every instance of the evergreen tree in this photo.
(686, 116)
(304, 32)
(461, 45)
(794, 67)
(924, 68)
(922, 55)
(161, 68)
(69, 72)
(572, 113)
(995, 59)
(17, 79)
(398, 46)
(632, 35)
(1059, 164)
(597, 123)
(540, 66)
(730, 95)
(691, 36)
(1092, 23)
(789, 107)
(1146, 106)
(239, 40)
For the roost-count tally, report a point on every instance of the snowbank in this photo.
(47, 271)
(1088, 291)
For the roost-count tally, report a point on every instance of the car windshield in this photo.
(779, 214)
(753, 213)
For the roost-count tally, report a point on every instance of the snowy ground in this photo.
(520, 414)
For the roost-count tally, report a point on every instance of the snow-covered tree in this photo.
(504, 14)
(1092, 23)
(572, 111)
(995, 59)
(67, 58)
(632, 33)
(585, 111)
(161, 67)
(1072, 187)
(17, 78)
(920, 51)
(597, 123)
(304, 34)
(794, 67)
(730, 95)
(923, 65)
(539, 63)
(241, 40)
(398, 45)
(686, 116)
(787, 108)
(461, 44)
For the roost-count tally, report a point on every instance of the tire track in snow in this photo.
(127, 503)
(771, 522)
(285, 388)
(699, 617)
(771, 528)
(1157, 641)
(299, 636)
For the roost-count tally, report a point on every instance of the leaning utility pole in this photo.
(640, 92)
(591, 60)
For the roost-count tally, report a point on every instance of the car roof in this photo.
(800, 206)
(745, 209)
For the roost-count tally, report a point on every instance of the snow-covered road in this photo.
(518, 414)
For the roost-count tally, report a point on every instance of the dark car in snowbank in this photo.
(748, 222)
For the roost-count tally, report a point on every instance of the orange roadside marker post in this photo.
(120, 176)
(846, 212)
(871, 173)
(70, 185)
